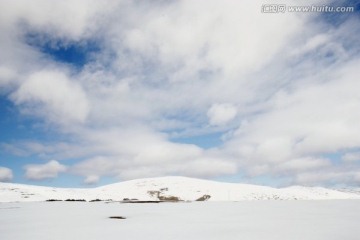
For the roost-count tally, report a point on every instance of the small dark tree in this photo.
(203, 198)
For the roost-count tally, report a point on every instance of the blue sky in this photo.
(96, 92)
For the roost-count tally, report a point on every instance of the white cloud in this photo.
(303, 164)
(66, 19)
(6, 174)
(52, 94)
(119, 156)
(310, 120)
(214, 42)
(221, 114)
(329, 177)
(92, 179)
(44, 171)
(6, 75)
(351, 157)
(210, 167)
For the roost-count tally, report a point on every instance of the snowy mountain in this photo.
(171, 188)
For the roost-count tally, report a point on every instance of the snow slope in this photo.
(187, 189)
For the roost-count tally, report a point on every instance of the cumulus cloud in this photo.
(53, 94)
(220, 114)
(44, 171)
(6, 174)
(119, 156)
(313, 119)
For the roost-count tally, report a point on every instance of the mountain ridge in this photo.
(175, 187)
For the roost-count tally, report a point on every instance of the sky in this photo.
(95, 92)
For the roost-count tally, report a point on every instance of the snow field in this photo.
(270, 220)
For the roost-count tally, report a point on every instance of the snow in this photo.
(310, 220)
(187, 189)
(25, 215)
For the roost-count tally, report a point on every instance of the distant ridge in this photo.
(171, 189)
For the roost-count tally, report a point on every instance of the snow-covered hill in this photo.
(187, 189)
